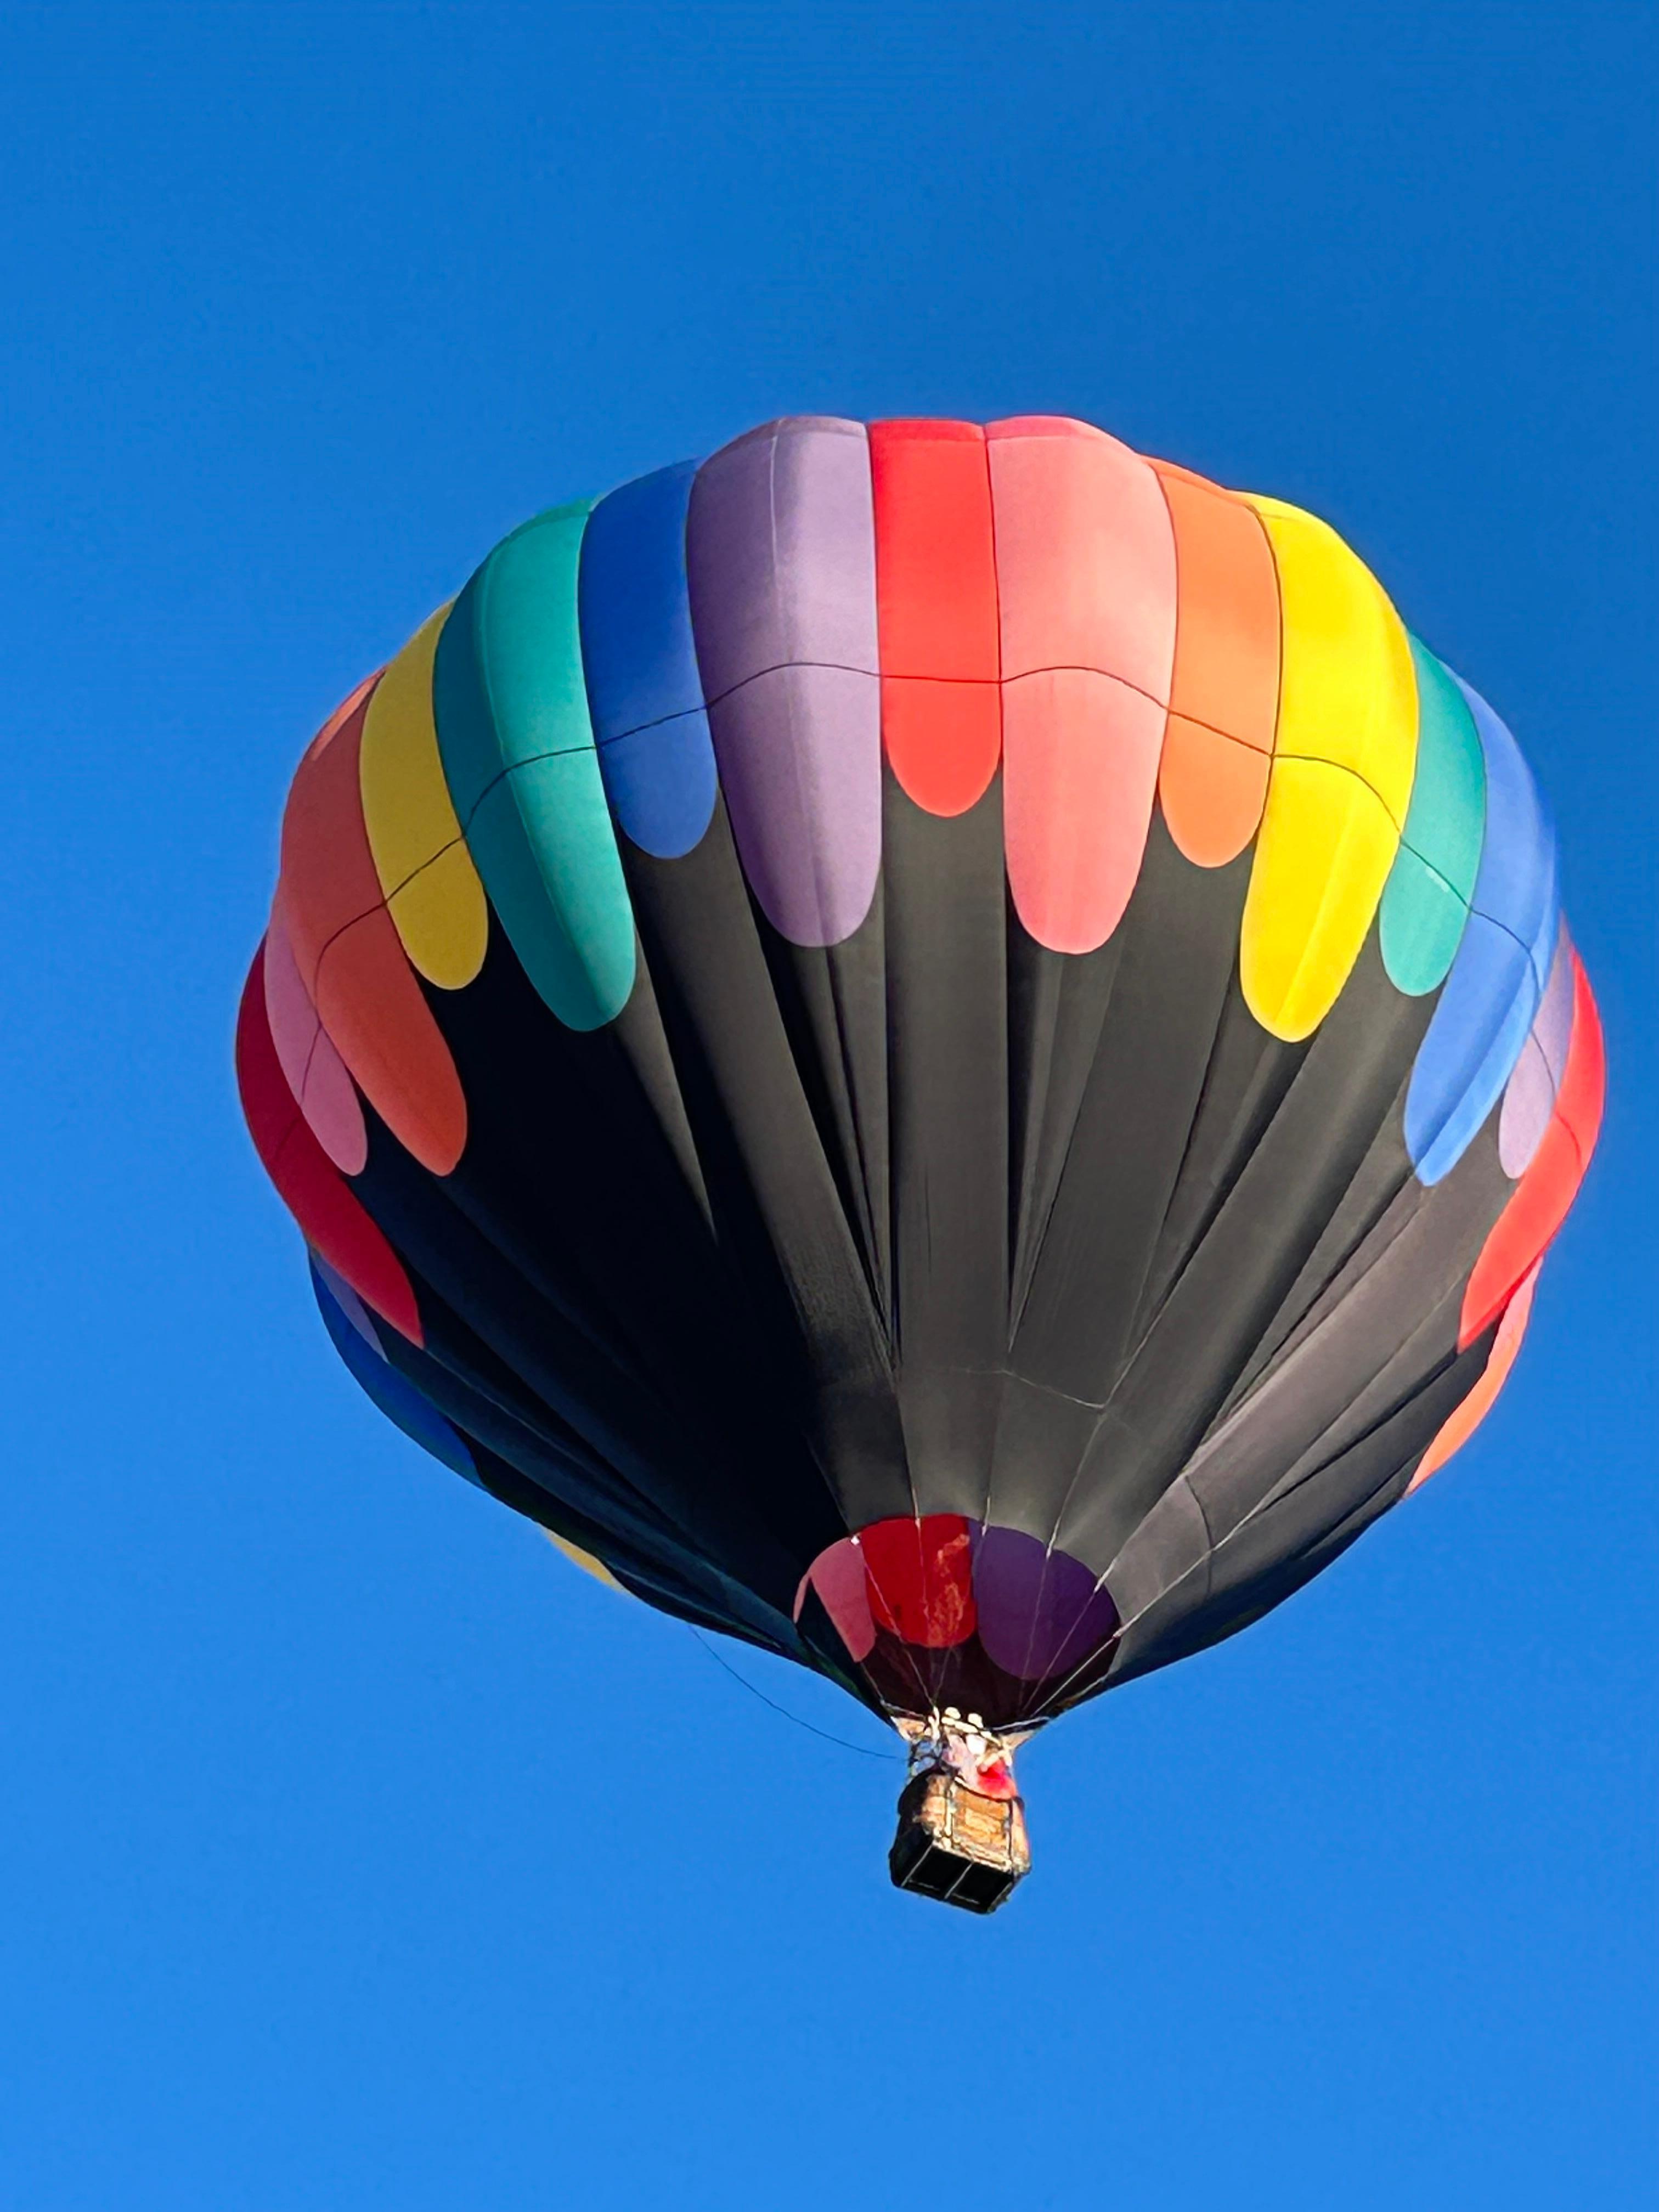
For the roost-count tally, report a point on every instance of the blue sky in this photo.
(353, 1850)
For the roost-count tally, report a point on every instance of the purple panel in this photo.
(782, 564)
(349, 1303)
(1529, 1096)
(1040, 1612)
(1554, 1027)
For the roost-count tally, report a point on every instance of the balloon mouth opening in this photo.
(938, 1612)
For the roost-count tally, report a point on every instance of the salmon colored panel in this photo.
(333, 1222)
(1544, 1194)
(1085, 552)
(351, 961)
(1086, 595)
(936, 610)
(920, 1577)
(1463, 1425)
(1079, 772)
(315, 1072)
(1225, 683)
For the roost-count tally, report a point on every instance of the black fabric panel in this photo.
(570, 1173)
(1222, 1301)
(1178, 944)
(1414, 1258)
(1057, 1003)
(1248, 1076)
(701, 1599)
(833, 1000)
(580, 1169)
(948, 1077)
(1042, 1437)
(777, 1211)
(1274, 1552)
(524, 1456)
(722, 1505)
(494, 1412)
(1346, 1380)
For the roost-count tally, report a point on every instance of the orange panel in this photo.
(1086, 590)
(1224, 692)
(351, 960)
(1212, 790)
(936, 607)
(1455, 1433)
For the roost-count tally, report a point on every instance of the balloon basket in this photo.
(957, 1846)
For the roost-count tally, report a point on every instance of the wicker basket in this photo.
(957, 1845)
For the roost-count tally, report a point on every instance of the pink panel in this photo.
(1529, 1096)
(1080, 760)
(1086, 554)
(1086, 587)
(349, 1303)
(316, 1074)
(838, 1577)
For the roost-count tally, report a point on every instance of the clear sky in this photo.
(354, 1850)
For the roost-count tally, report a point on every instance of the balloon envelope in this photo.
(941, 1047)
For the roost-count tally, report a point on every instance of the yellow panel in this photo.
(1322, 855)
(1347, 690)
(431, 887)
(1344, 757)
(585, 1561)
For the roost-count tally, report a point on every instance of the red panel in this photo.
(936, 606)
(334, 1222)
(921, 1575)
(1523, 1232)
(351, 959)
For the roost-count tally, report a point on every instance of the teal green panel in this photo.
(466, 735)
(1426, 903)
(529, 640)
(1423, 920)
(517, 746)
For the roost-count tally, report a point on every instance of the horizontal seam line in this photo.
(1315, 760)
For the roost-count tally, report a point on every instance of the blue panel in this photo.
(1487, 1003)
(639, 660)
(393, 1393)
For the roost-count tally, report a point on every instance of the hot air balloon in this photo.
(942, 1048)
